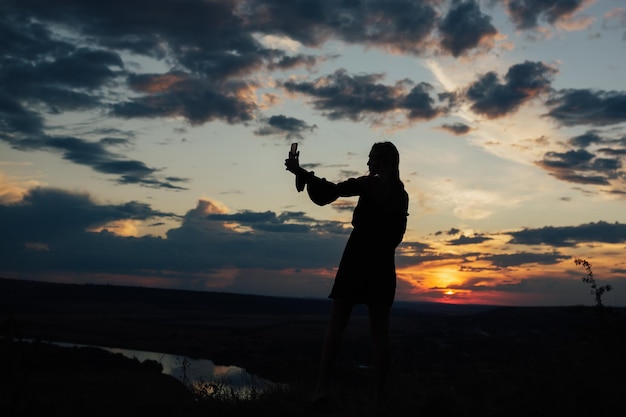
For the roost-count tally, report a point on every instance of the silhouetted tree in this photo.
(589, 279)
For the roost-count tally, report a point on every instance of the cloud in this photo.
(493, 99)
(13, 190)
(344, 205)
(285, 62)
(465, 27)
(597, 160)
(507, 260)
(580, 166)
(52, 233)
(587, 107)
(15, 118)
(83, 236)
(398, 25)
(52, 215)
(615, 19)
(41, 76)
(537, 287)
(290, 127)
(419, 104)
(65, 78)
(466, 240)
(570, 236)
(453, 231)
(212, 54)
(343, 96)
(586, 139)
(213, 57)
(456, 128)
(192, 98)
(97, 156)
(527, 13)
(355, 97)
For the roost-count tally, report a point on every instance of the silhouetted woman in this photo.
(366, 273)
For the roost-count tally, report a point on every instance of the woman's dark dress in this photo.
(367, 272)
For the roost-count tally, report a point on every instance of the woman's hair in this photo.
(389, 158)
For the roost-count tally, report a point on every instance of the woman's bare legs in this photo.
(339, 318)
(379, 326)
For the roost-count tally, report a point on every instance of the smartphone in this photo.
(293, 153)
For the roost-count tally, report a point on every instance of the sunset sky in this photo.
(142, 142)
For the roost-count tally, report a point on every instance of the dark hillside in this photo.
(42, 297)
(446, 360)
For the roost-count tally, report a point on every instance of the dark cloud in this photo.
(290, 127)
(401, 25)
(477, 269)
(586, 165)
(527, 13)
(97, 156)
(342, 96)
(83, 68)
(586, 107)
(62, 82)
(613, 152)
(212, 50)
(354, 97)
(419, 103)
(573, 166)
(453, 231)
(212, 42)
(59, 223)
(310, 165)
(40, 75)
(569, 236)
(26, 38)
(194, 99)
(284, 61)
(412, 253)
(467, 240)
(507, 260)
(269, 221)
(414, 247)
(538, 287)
(52, 230)
(15, 118)
(584, 140)
(456, 128)
(47, 215)
(522, 82)
(464, 28)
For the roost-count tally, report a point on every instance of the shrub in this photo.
(596, 290)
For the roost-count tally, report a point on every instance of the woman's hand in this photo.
(292, 165)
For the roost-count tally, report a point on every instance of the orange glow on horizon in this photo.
(476, 281)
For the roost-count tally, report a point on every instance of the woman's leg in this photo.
(339, 317)
(379, 326)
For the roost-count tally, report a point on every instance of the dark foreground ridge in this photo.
(447, 360)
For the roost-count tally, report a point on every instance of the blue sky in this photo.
(142, 143)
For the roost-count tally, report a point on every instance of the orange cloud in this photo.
(13, 190)
(124, 228)
(158, 83)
